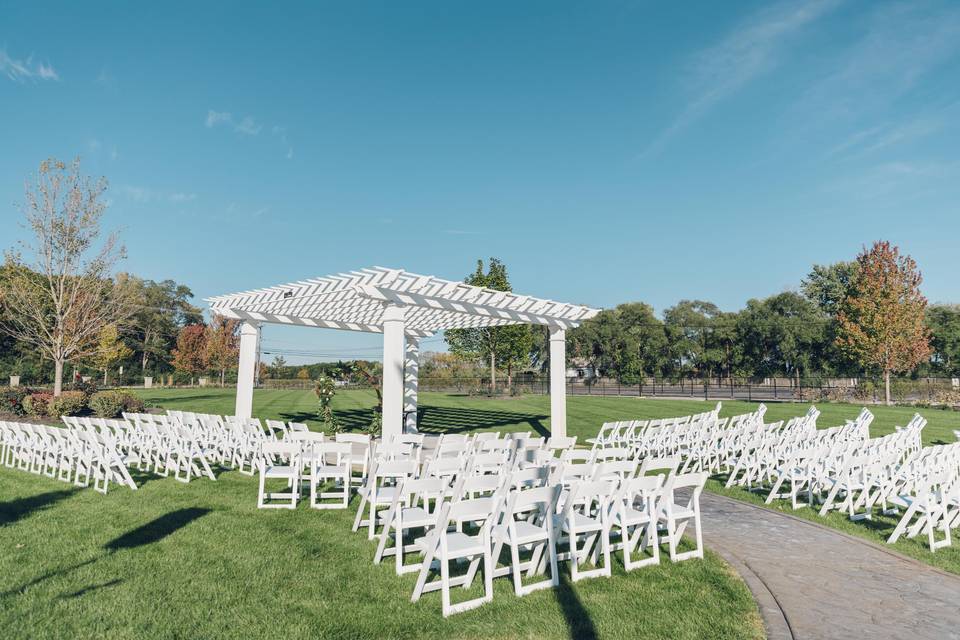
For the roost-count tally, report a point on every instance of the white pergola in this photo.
(404, 307)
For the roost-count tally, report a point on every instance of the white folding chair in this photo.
(676, 515)
(528, 522)
(331, 461)
(445, 547)
(286, 466)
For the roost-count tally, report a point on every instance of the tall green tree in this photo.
(783, 334)
(944, 323)
(510, 345)
(688, 325)
(827, 285)
(627, 341)
(162, 309)
(881, 321)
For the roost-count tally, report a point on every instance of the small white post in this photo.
(411, 369)
(393, 322)
(558, 382)
(249, 339)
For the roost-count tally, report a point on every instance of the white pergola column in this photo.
(411, 372)
(558, 382)
(246, 372)
(393, 356)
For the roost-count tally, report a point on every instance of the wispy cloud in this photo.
(748, 52)
(246, 125)
(144, 194)
(902, 44)
(899, 180)
(880, 137)
(20, 70)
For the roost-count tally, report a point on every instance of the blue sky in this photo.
(606, 151)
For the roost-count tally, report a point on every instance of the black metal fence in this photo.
(941, 391)
(807, 389)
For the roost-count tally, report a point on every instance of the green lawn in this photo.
(449, 413)
(585, 414)
(200, 561)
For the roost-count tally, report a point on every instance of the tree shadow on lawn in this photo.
(438, 419)
(16, 510)
(93, 587)
(578, 619)
(157, 529)
(458, 419)
(149, 533)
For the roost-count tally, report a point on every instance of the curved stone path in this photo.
(812, 582)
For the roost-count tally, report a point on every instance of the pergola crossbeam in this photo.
(403, 307)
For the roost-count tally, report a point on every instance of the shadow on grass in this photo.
(157, 529)
(578, 619)
(92, 587)
(44, 577)
(439, 419)
(16, 510)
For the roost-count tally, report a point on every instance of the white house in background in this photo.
(581, 371)
(404, 307)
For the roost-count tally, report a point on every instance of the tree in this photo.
(162, 308)
(828, 285)
(944, 323)
(303, 374)
(688, 325)
(783, 334)
(223, 345)
(61, 299)
(628, 341)
(493, 344)
(190, 356)
(277, 366)
(881, 321)
(110, 349)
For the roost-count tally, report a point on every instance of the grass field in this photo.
(585, 414)
(200, 561)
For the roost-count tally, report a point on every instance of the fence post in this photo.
(774, 388)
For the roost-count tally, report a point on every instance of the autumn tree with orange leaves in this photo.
(881, 320)
(190, 356)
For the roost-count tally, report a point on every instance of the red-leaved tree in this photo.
(223, 345)
(881, 320)
(190, 356)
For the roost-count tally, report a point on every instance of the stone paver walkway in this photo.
(811, 582)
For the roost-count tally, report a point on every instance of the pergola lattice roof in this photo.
(355, 301)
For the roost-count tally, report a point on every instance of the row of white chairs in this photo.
(102, 451)
(79, 454)
(466, 500)
(837, 469)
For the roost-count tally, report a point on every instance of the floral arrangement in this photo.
(325, 391)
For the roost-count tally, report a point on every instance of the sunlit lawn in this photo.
(585, 414)
(200, 561)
